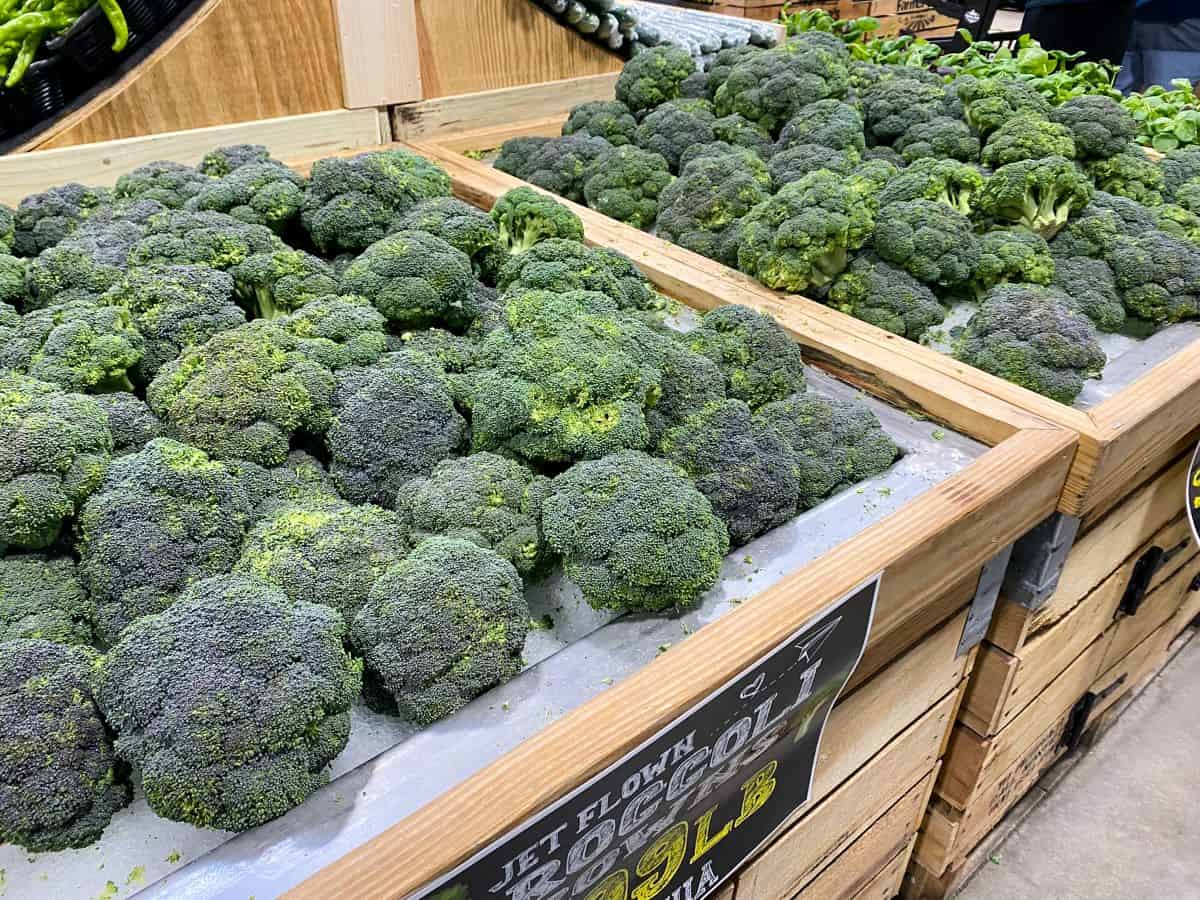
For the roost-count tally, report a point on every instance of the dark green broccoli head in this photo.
(990, 102)
(606, 119)
(634, 533)
(338, 332)
(562, 266)
(945, 180)
(1035, 337)
(1040, 194)
(524, 216)
(770, 88)
(485, 499)
(243, 393)
(62, 781)
(1178, 222)
(73, 269)
(894, 105)
(635, 290)
(930, 240)
(170, 183)
(1159, 276)
(832, 443)
(702, 208)
(1131, 174)
(690, 381)
(42, 220)
(451, 353)
(462, 226)
(415, 279)
(723, 63)
(939, 138)
(746, 160)
(800, 237)
(275, 283)
(41, 597)
(1179, 167)
(174, 307)
(393, 421)
(559, 165)
(231, 703)
(132, 423)
(800, 159)
(1101, 126)
(695, 86)
(1095, 230)
(830, 123)
(1012, 255)
(264, 193)
(653, 77)
(220, 162)
(443, 626)
(299, 480)
(350, 203)
(625, 184)
(516, 153)
(889, 155)
(8, 229)
(1186, 195)
(12, 280)
(669, 131)
(1093, 286)
(1027, 136)
(164, 517)
(739, 131)
(817, 39)
(206, 238)
(760, 361)
(887, 297)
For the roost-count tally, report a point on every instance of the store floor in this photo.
(1124, 823)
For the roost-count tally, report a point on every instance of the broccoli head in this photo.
(702, 208)
(1101, 126)
(1012, 255)
(41, 597)
(443, 626)
(990, 102)
(634, 290)
(1040, 194)
(939, 138)
(70, 270)
(12, 280)
(231, 702)
(625, 184)
(1178, 168)
(771, 87)
(8, 229)
(515, 154)
(524, 216)
(1027, 136)
(829, 123)
(274, 283)
(563, 266)
(887, 297)
(338, 332)
(1178, 222)
(264, 193)
(558, 165)
(464, 227)
(1035, 337)
(747, 160)
(930, 240)
(690, 381)
(1131, 174)
(634, 533)
(1159, 276)
(606, 119)
(1095, 230)
(170, 183)
(945, 180)
(62, 781)
(213, 239)
(722, 64)
(220, 162)
(758, 359)
(653, 77)
(1093, 286)
(738, 131)
(451, 353)
(798, 160)
(668, 132)
(42, 220)
(894, 105)
(132, 423)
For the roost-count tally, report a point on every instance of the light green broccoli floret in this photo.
(264, 193)
(945, 180)
(626, 184)
(1012, 255)
(1040, 194)
(771, 87)
(931, 241)
(41, 597)
(462, 226)
(760, 361)
(1027, 136)
(653, 77)
(939, 138)
(1130, 173)
(524, 217)
(611, 120)
(338, 332)
(170, 183)
(279, 282)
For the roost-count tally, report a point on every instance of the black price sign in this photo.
(1193, 494)
(682, 812)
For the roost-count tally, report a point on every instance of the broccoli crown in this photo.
(702, 208)
(213, 239)
(70, 270)
(722, 64)
(568, 377)
(54, 448)
(415, 279)
(739, 131)
(485, 499)
(990, 102)
(769, 88)
(609, 119)
(12, 280)
(1159, 276)
(451, 353)
(1027, 136)
(8, 228)
(892, 106)
(231, 702)
(41, 597)
(1129, 174)
(461, 225)
(80, 346)
(1101, 126)
(635, 291)
(1093, 286)
(62, 782)
(220, 162)
(558, 165)
(243, 393)
(634, 533)
(515, 154)
(1035, 337)
(393, 421)
(873, 173)
(350, 203)
(1040, 194)
(1178, 222)
(830, 123)
(759, 360)
(930, 240)
(562, 266)
(524, 216)
(323, 551)
(668, 132)
(798, 160)
(945, 180)
(264, 193)
(1094, 232)
(800, 237)
(164, 517)
(742, 468)
(939, 138)
(626, 183)
(695, 86)
(833, 443)
(174, 307)
(653, 77)
(887, 297)
(300, 480)
(746, 160)
(1012, 255)
(1178, 168)
(690, 381)
(338, 332)
(169, 183)
(277, 282)
(132, 423)
(42, 220)
(443, 626)
(1186, 195)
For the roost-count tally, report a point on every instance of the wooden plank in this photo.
(380, 57)
(1159, 606)
(493, 137)
(1129, 673)
(886, 884)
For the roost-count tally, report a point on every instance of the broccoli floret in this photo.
(769, 88)
(894, 105)
(213, 239)
(797, 161)
(132, 423)
(668, 132)
(653, 77)
(1178, 222)
(80, 267)
(625, 184)
(1129, 174)
(746, 160)
(54, 448)
(830, 123)
(452, 353)
(567, 378)
(515, 154)
(350, 203)
(887, 297)
(62, 782)
(442, 627)
(690, 381)
(939, 138)
(833, 443)
(1159, 276)
(275, 283)
(1012, 255)
(393, 421)
(1179, 167)
(300, 480)
(1101, 126)
(231, 703)
(739, 131)
(415, 279)
(41, 597)
(884, 154)
(563, 266)
(930, 240)
(462, 226)
(990, 102)
(220, 162)
(800, 237)
(1039, 194)
(524, 216)
(1186, 195)
(42, 220)
(945, 180)
(1095, 230)
(169, 183)
(634, 290)
(723, 63)
(561, 165)
(759, 360)
(485, 499)
(12, 280)
(243, 393)
(1090, 283)
(1027, 136)
(702, 208)
(634, 533)
(610, 120)
(1035, 337)
(695, 86)
(259, 193)
(338, 332)
(8, 229)
(816, 39)
(873, 173)
(173, 308)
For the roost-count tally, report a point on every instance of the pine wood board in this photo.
(886, 883)
(1130, 674)
(379, 51)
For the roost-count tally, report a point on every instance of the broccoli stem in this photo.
(827, 267)
(265, 307)
(115, 384)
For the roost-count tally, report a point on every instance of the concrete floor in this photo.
(1124, 823)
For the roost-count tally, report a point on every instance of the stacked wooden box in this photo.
(900, 16)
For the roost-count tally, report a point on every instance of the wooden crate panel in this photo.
(886, 883)
(1139, 665)
(1159, 606)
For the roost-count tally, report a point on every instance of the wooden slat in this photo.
(1160, 605)
(379, 52)
(1130, 673)
(886, 883)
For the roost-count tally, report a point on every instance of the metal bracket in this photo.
(1038, 559)
(1077, 721)
(1144, 570)
(979, 617)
